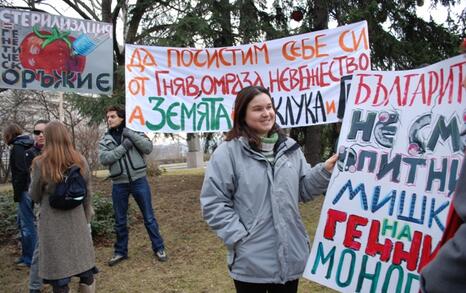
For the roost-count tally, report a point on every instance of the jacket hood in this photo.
(23, 140)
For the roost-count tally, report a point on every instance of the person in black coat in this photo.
(12, 136)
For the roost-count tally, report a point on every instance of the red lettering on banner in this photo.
(461, 75)
(410, 256)
(229, 83)
(158, 79)
(380, 92)
(422, 88)
(427, 252)
(303, 49)
(353, 233)
(407, 78)
(286, 79)
(444, 86)
(136, 114)
(321, 75)
(397, 87)
(355, 42)
(330, 107)
(197, 60)
(420, 91)
(433, 85)
(373, 245)
(333, 217)
(141, 58)
(363, 91)
(218, 57)
(137, 85)
(418, 254)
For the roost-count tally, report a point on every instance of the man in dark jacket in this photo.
(20, 180)
(122, 150)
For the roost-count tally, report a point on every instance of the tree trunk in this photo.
(221, 11)
(195, 155)
(312, 144)
(318, 20)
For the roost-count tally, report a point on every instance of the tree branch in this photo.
(77, 7)
(148, 31)
(137, 13)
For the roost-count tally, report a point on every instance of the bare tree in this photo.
(87, 142)
(51, 107)
(14, 107)
(26, 107)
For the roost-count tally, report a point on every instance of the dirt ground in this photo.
(197, 258)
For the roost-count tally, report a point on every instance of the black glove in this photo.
(125, 132)
(127, 143)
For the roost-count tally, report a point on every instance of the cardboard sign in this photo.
(400, 153)
(42, 51)
(193, 90)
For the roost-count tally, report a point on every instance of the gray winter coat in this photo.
(65, 242)
(447, 271)
(253, 208)
(125, 165)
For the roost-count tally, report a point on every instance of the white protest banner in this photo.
(42, 51)
(192, 90)
(400, 152)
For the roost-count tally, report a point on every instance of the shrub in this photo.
(8, 226)
(103, 221)
(154, 169)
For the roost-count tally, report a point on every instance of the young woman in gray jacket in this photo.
(250, 196)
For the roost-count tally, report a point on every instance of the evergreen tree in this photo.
(399, 39)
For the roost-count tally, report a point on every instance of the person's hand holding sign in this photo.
(330, 163)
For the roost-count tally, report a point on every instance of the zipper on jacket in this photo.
(127, 169)
(124, 160)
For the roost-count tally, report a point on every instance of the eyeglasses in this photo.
(37, 132)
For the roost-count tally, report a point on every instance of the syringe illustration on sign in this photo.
(84, 45)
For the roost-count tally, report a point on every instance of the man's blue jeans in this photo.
(141, 192)
(27, 228)
(35, 282)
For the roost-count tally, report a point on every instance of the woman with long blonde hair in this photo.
(65, 242)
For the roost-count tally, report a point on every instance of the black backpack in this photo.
(70, 192)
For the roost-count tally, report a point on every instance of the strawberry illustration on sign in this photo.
(51, 52)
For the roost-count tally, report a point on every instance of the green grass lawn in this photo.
(197, 258)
